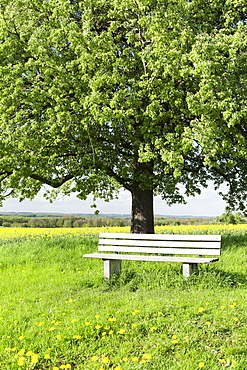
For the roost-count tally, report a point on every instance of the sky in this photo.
(208, 204)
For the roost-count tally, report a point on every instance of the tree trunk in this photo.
(142, 220)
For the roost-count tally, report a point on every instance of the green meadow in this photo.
(58, 312)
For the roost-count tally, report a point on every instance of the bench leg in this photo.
(189, 269)
(111, 267)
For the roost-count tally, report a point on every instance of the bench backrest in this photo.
(203, 245)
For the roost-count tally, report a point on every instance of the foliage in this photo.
(49, 220)
(231, 218)
(76, 320)
(145, 95)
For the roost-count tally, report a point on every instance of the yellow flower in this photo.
(59, 336)
(94, 358)
(222, 360)
(134, 359)
(112, 319)
(21, 337)
(236, 318)
(21, 352)
(97, 316)
(174, 337)
(29, 353)
(21, 361)
(153, 328)
(55, 368)
(105, 360)
(76, 337)
(208, 323)
(200, 309)
(118, 368)
(147, 356)
(125, 359)
(34, 358)
(201, 364)
(175, 341)
(121, 331)
(47, 357)
(52, 328)
(88, 323)
(97, 327)
(134, 325)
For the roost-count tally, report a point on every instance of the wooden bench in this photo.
(186, 249)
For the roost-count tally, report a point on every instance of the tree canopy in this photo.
(146, 95)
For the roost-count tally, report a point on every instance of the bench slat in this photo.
(205, 252)
(126, 257)
(160, 236)
(161, 243)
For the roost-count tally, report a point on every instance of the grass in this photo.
(58, 312)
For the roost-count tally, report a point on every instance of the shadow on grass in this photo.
(233, 241)
(207, 277)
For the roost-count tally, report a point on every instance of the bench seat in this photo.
(186, 249)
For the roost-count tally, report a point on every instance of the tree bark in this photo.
(142, 218)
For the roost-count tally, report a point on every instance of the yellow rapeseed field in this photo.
(33, 233)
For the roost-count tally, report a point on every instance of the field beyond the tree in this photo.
(58, 312)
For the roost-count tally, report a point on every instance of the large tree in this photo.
(147, 95)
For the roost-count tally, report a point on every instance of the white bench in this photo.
(186, 249)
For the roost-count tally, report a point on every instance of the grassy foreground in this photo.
(57, 311)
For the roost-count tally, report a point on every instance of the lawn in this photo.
(58, 312)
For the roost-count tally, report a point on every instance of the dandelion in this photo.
(112, 319)
(135, 312)
(34, 358)
(73, 320)
(55, 368)
(77, 337)
(118, 368)
(88, 323)
(153, 328)
(222, 361)
(121, 331)
(208, 323)
(105, 360)
(97, 327)
(174, 337)
(21, 361)
(94, 358)
(29, 353)
(21, 352)
(97, 316)
(125, 359)
(59, 336)
(147, 356)
(110, 332)
(236, 319)
(175, 341)
(200, 309)
(52, 328)
(134, 325)
(21, 337)
(134, 359)
(201, 364)
(47, 357)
